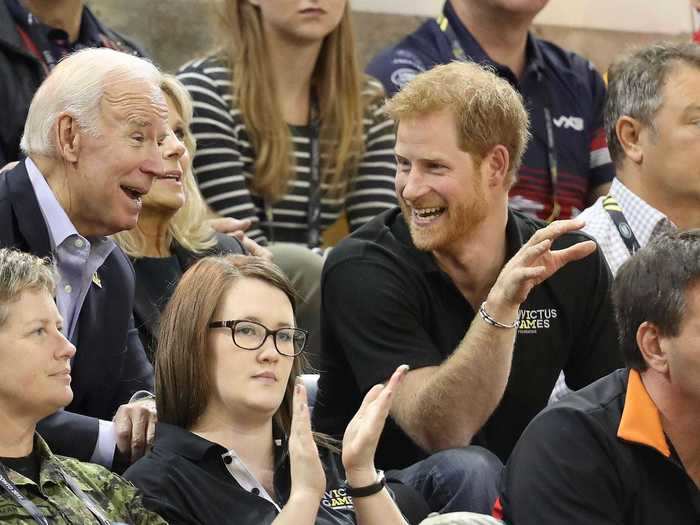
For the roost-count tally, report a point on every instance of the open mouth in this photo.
(172, 175)
(425, 215)
(134, 194)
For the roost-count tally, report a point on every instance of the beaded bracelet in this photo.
(490, 320)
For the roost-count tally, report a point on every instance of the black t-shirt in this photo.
(386, 303)
(29, 466)
(184, 478)
(594, 458)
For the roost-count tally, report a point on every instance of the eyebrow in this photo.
(139, 122)
(693, 108)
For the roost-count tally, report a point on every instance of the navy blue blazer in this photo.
(110, 363)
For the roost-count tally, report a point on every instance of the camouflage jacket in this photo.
(118, 498)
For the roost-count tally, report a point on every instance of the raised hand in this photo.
(308, 478)
(536, 262)
(363, 431)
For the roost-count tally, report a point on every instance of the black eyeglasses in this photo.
(250, 335)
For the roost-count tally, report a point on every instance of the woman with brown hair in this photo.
(234, 442)
(290, 132)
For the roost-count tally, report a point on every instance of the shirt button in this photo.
(68, 288)
(256, 491)
(79, 243)
(228, 460)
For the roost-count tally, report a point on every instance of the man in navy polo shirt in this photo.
(562, 91)
(34, 36)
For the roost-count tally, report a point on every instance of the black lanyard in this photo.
(314, 207)
(34, 511)
(623, 227)
(313, 210)
(552, 161)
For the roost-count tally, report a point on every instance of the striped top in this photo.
(224, 162)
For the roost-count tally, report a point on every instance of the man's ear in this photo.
(628, 132)
(651, 345)
(68, 138)
(495, 165)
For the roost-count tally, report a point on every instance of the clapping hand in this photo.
(362, 433)
(308, 478)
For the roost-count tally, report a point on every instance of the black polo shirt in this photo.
(553, 77)
(599, 456)
(386, 303)
(185, 479)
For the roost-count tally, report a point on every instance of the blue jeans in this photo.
(455, 480)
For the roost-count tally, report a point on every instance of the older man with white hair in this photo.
(92, 142)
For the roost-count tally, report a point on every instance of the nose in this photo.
(153, 165)
(411, 186)
(268, 352)
(65, 349)
(172, 147)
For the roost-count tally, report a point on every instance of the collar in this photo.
(49, 469)
(185, 443)
(426, 260)
(642, 217)
(90, 31)
(534, 60)
(641, 421)
(59, 225)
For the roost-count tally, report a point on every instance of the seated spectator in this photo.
(234, 435)
(656, 186)
(37, 486)
(625, 450)
(34, 36)
(172, 232)
(561, 173)
(445, 283)
(92, 140)
(290, 134)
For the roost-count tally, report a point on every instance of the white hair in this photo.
(75, 86)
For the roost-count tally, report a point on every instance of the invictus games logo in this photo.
(530, 321)
(337, 499)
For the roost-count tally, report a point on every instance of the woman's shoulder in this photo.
(214, 66)
(372, 91)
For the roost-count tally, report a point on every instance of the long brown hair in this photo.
(183, 371)
(336, 82)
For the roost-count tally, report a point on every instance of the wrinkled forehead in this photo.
(137, 101)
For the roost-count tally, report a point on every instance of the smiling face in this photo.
(248, 384)
(300, 21)
(167, 193)
(35, 358)
(116, 167)
(439, 186)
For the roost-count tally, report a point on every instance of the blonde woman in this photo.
(289, 130)
(173, 229)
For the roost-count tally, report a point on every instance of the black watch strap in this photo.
(368, 490)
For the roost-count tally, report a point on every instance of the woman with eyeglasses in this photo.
(234, 442)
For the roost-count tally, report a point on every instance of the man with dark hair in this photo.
(625, 450)
(34, 36)
(566, 165)
(444, 283)
(652, 117)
